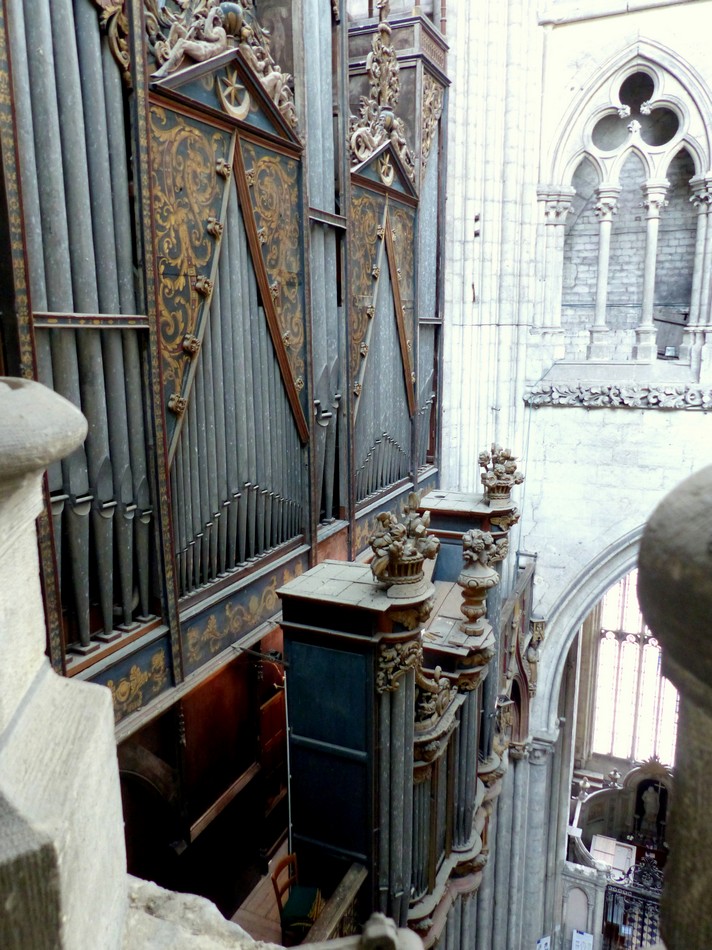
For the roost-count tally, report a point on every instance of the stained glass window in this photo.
(636, 707)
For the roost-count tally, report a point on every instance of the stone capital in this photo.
(654, 199)
(540, 751)
(701, 196)
(607, 204)
(557, 203)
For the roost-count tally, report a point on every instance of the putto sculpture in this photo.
(180, 33)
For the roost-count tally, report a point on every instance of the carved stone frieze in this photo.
(499, 474)
(540, 751)
(654, 199)
(556, 202)
(198, 32)
(433, 95)
(606, 207)
(400, 548)
(557, 209)
(377, 122)
(394, 661)
(621, 396)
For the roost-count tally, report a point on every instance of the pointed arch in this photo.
(677, 83)
(566, 618)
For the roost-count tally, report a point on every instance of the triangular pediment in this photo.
(227, 85)
(386, 168)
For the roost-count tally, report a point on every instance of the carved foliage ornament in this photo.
(476, 578)
(499, 473)
(178, 31)
(377, 123)
(433, 695)
(433, 94)
(394, 661)
(400, 548)
(631, 396)
(115, 23)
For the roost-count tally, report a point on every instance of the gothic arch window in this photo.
(633, 204)
(635, 707)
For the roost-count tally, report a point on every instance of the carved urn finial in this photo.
(377, 122)
(476, 578)
(400, 548)
(499, 475)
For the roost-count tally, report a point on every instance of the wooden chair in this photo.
(301, 908)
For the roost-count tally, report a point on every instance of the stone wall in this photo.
(592, 476)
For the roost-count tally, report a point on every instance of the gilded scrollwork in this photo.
(402, 220)
(367, 216)
(377, 123)
(132, 691)
(178, 31)
(274, 193)
(394, 661)
(116, 25)
(187, 195)
(433, 695)
(433, 95)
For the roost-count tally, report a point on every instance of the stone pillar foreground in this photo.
(675, 593)
(62, 858)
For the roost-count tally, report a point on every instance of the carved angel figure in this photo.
(205, 39)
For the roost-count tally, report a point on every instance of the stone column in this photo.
(654, 200)
(503, 863)
(62, 858)
(702, 354)
(557, 205)
(675, 594)
(606, 208)
(689, 349)
(518, 755)
(539, 819)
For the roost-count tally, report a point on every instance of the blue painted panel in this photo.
(136, 679)
(339, 712)
(331, 800)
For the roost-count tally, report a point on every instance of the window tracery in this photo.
(627, 257)
(635, 706)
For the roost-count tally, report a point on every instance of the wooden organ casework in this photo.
(407, 681)
(213, 243)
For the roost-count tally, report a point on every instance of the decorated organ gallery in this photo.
(224, 225)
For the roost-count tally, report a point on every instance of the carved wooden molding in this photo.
(378, 123)
(115, 23)
(433, 95)
(177, 32)
(394, 661)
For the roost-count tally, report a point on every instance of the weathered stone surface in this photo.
(36, 427)
(164, 920)
(62, 856)
(675, 593)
